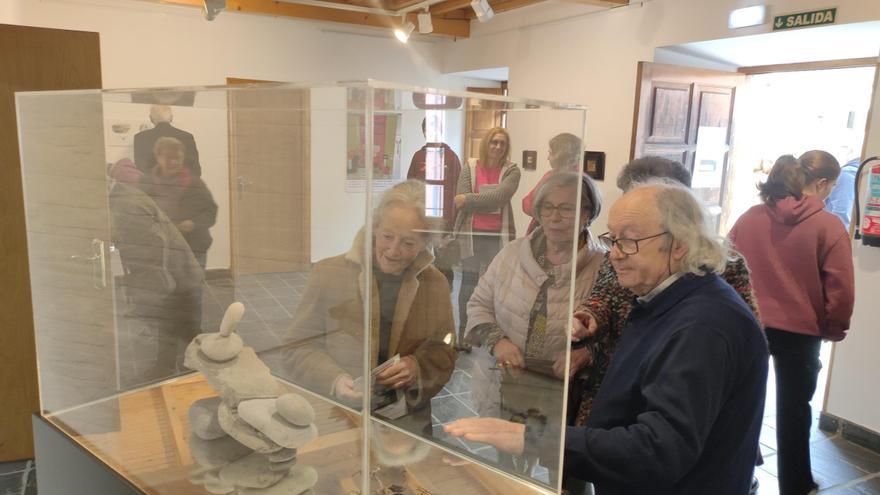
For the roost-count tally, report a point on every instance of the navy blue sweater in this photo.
(679, 411)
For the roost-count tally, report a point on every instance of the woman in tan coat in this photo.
(411, 323)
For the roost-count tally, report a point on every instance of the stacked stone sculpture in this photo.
(245, 441)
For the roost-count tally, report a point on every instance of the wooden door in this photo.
(269, 173)
(686, 114)
(76, 340)
(481, 116)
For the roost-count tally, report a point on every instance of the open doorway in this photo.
(790, 113)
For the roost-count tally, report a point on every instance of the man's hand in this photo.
(186, 226)
(579, 358)
(344, 390)
(400, 375)
(508, 354)
(505, 436)
(459, 200)
(585, 325)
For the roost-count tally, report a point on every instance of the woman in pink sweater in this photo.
(800, 259)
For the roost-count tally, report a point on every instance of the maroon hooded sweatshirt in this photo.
(800, 259)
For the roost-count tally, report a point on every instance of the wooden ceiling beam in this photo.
(504, 6)
(449, 6)
(443, 27)
(605, 3)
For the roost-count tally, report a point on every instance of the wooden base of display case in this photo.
(148, 451)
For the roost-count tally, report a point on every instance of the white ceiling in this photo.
(800, 45)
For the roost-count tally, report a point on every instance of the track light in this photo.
(403, 31)
(426, 26)
(210, 8)
(482, 9)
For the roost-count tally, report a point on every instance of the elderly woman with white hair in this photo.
(410, 315)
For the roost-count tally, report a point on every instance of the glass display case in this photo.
(403, 257)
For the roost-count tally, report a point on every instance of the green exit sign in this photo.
(804, 19)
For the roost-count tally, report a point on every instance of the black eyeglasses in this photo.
(566, 210)
(626, 246)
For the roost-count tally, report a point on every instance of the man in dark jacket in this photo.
(680, 408)
(144, 141)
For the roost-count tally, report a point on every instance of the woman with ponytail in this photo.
(800, 260)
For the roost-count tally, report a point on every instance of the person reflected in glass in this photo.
(484, 222)
(184, 197)
(563, 155)
(410, 314)
(145, 141)
(438, 165)
(802, 268)
(161, 277)
(519, 311)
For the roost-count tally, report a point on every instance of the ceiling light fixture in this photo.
(210, 8)
(403, 31)
(426, 26)
(482, 9)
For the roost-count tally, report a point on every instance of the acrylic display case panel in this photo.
(399, 272)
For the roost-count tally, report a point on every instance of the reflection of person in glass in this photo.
(484, 222)
(681, 406)
(410, 314)
(520, 309)
(162, 279)
(182, 196)
(145, 141)
(565, 150)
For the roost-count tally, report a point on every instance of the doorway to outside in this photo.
(790, 113)
(728, 128)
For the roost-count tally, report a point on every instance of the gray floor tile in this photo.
(838, 448)
(450, 408)
(13, 467)
(277, 313)
(263, 302)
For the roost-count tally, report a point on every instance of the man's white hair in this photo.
(683, 215)
(160, 113)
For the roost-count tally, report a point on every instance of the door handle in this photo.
(98, 261)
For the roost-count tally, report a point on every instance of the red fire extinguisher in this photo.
(868, 229)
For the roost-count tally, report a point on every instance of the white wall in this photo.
(592, 59)
(148, 45)
(855, 374)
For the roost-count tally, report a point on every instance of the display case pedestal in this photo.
(69, 469)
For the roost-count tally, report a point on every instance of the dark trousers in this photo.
(797, 365)
(485, 249)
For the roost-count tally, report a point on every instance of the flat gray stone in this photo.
(203, 419)
(262, 415)
(245, 433)
(296, 409)
(252, 471)
(216, 453)
(219, 348)
(282, 455)
(298, 481)
(241, 378)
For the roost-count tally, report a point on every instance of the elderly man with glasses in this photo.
(680, 408)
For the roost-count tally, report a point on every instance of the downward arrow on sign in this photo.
(778, 22)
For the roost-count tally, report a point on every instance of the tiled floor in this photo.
(839, 466)
(18, 478)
